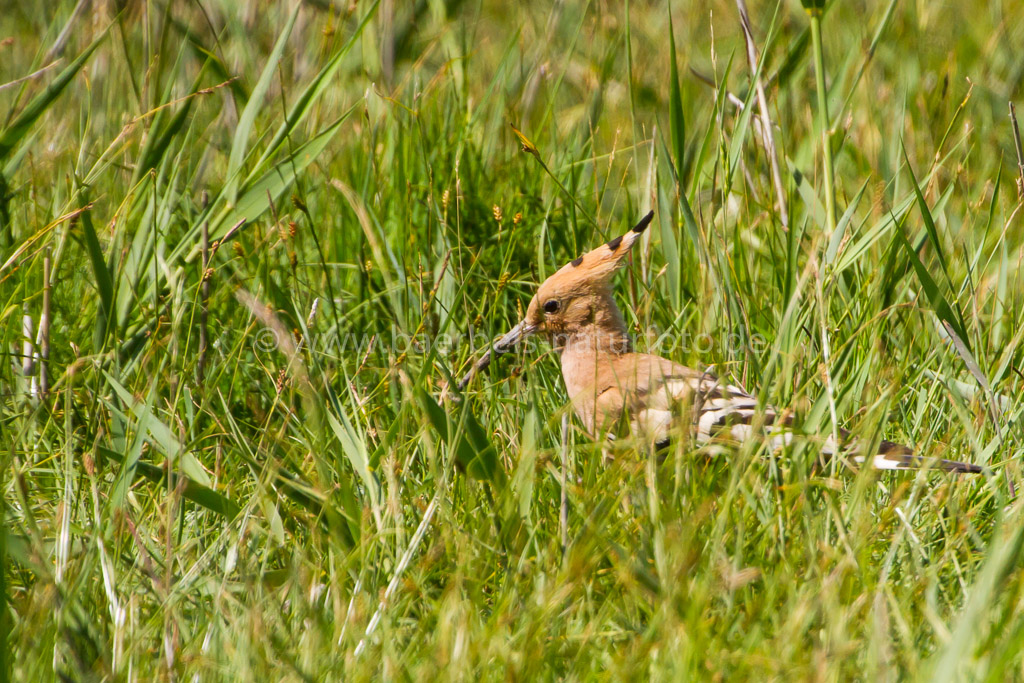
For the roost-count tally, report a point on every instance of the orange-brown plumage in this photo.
(606, 380)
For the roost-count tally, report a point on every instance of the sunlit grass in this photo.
(322, 505)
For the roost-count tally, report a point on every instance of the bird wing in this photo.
(663, 391)
(656, 392)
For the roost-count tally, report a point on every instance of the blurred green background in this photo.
(260, 470)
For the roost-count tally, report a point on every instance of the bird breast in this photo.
(652, 390)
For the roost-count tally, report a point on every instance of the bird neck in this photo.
(604, 332)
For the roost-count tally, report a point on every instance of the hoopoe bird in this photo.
(609, 383)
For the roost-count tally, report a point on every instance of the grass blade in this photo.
(104, 282)
(21, 125)
(203, 496)
(253, 107)
(939, 304)
(1003, 556)
(677, 123)
(256, 195)
(303, 105)
(354, 447)
(929, 222)
(158, 144)
(161, 434)
(472, 448)
(844, 222)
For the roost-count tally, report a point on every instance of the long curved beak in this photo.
(503, 345)
(512, 337)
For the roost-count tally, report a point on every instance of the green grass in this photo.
(319, 506)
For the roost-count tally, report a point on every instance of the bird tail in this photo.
(739, 414)
(893, 456)
(889, 455)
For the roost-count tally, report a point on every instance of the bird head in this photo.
(578, 296)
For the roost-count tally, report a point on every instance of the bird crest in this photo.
(596, 267)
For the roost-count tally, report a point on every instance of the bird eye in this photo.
(551, 306)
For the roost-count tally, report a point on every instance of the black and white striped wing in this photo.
(718, 410)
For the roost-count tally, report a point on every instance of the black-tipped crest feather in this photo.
(644, 222)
